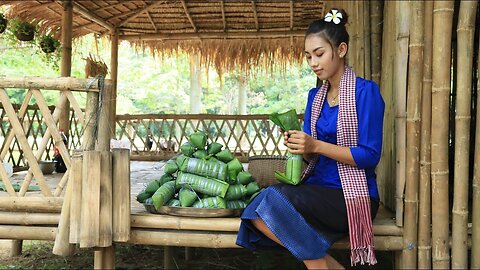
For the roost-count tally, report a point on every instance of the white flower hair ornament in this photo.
(334, 16)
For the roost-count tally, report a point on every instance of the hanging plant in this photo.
(48, 44)
(3, 23)
(24, 31)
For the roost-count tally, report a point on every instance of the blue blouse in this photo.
(370, 109)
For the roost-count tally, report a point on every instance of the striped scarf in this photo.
(353, 179)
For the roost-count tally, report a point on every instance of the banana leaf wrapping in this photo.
(234, 167)
(214, 148)
(187, 149)
(200, 154)
(252, 187)
(244, 178)
(235, 192)
(198, 139)
(293, 169)
(225, 156)
(170, 167)
(180, 159)
(200, 184)
(152, 186)
(148, 201)
(143, 196)
(173, 202)
(164, 179)
(206, 168)
(187, 197)
(213, 202)
(163, 194)
(236, 204)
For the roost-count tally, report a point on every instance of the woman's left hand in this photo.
(300, 142)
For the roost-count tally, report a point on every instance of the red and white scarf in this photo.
(353, 179)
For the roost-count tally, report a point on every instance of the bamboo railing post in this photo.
(62, 246)
(424, 212)
(376, 20)
(465, 44)
(402, 12)
(121, 194)
(475, 258)
(414, 102)
(66, 60)
(442, 30)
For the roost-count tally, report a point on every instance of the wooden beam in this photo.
(222, 4)
(140, 11)
(188, 15)
(77, 7)
(65, 83)
(221, 35)
(151, 21)
(255, 15)
(291, 14)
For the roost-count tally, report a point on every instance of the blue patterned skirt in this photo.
(307, 219)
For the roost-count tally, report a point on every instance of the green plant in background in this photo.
(48, 44)
(23, 31)
(3, 23)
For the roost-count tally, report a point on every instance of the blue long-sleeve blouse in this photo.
(370, 110)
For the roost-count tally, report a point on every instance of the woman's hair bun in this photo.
(336, 16)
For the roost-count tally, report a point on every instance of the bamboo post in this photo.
(376, 12)
(442, 29)
(465, 47)
(90, 206)
(66, 60)
(121, 194)
(16, 248)
(475, 258)
(414, 101)
(402, 12)
(367, 40)
(62, 246)
(424, 212)
(76, 198)
(114, 75)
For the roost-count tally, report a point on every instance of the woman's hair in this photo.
(332, 30)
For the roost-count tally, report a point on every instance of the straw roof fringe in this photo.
(227, 34)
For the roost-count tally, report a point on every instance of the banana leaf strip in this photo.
(213, 202)
(200, 154)
(187, 149)
(236, 204)
(236, 192)
(200, 184)
(287, 120)
(187, 197)
(225, 155)
(199, 139)
(252, 187)
(152, 186)
(180, 159)
(234, 167)
(163, 194)
(214, 148)
(142, 196)
(164, 179)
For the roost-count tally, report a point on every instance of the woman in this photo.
(342, 142)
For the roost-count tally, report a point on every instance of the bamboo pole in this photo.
(40, 204)
(27, 232)
(121, 194)
(90, 206)
(442, 29)
(62, 246)
(66, 60)
(367, 40)
(61, 84)
(114, 74)
(424, 213)
(414, 101)
(376, 18)
(465, 47)
(475, 257)
(24, 218)
(76, 198)
(402, 12)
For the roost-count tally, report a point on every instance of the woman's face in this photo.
(321, 57)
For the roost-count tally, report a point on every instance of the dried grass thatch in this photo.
(94, 67)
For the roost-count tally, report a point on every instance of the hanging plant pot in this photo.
(24, 31)
(48, 44)
(3, 23)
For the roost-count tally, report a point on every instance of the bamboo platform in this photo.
(153, 229)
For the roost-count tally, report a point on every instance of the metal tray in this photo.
(194, 212)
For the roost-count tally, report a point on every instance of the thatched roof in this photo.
(226, 33)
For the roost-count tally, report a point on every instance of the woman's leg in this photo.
(327, 262)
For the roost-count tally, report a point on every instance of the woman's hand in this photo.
(298, 142)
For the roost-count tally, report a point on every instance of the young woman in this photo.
(341, 141)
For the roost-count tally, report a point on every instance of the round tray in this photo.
(194, 212)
